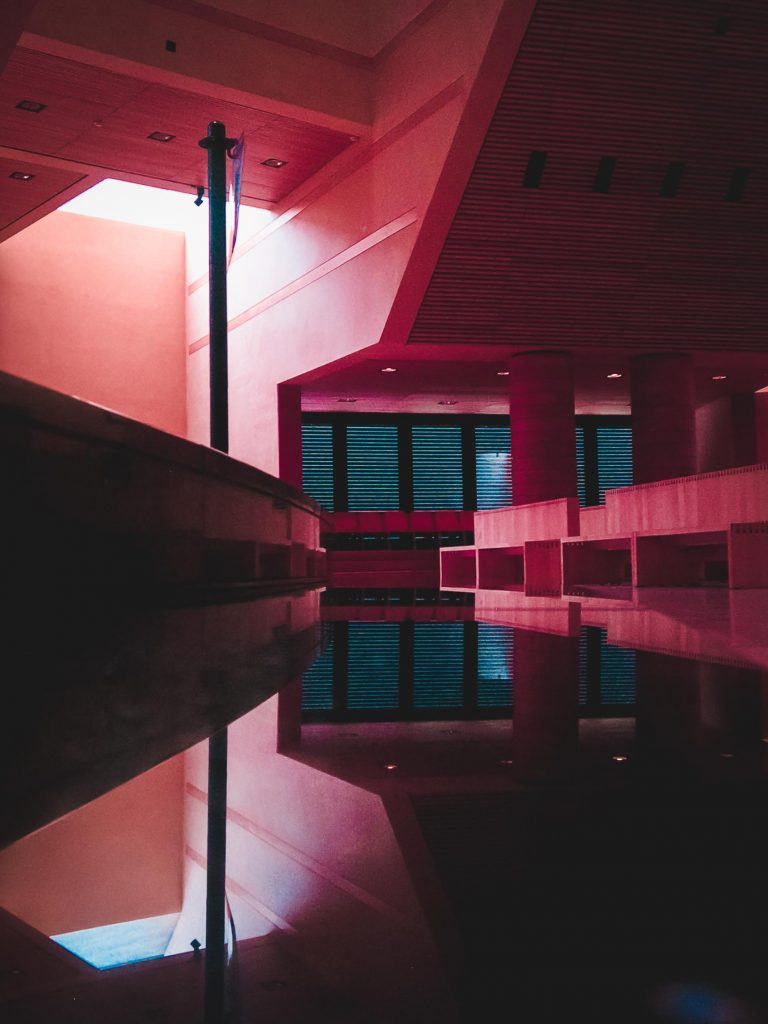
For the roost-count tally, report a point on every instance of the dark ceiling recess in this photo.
(738, 183)
(672, 178)
(722, 25)
(535, 169)
(605, 169)
(31, 105)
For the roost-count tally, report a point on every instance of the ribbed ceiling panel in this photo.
(647, 82)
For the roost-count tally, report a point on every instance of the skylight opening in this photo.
(156, 208)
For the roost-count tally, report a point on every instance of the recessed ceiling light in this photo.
(21, 176)
(390, 767)
(726, 755)
(448, 401)
(388, 369)
(502, 373)
(161, 137)
(507, 761)
(620, 758)
(720, 376)
(274, 162)
(614, 376)
(31, 105)
(349, 400)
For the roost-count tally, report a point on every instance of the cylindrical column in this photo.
(663, 417)
(546, 723)
(541, 417)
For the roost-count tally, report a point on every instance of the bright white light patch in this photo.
(155, 208)
(125, 943)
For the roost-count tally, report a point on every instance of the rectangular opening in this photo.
(458, 568)
(535, 169)
(597, 563)
(605, 169)
(500, 568)
(682, 560)
(672, 177)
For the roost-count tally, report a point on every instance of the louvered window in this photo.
(438, 478)
(583, 667)
(617, 673)
(438, 665)
(317, 462)
(375, 667)
(317, 681)
(373, 476)
(493, 468)
(614, 459)
(420, 465)
(373, 671)
(581, 477)
(495, 651)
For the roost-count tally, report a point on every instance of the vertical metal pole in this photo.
(215, 899)
(217, 144)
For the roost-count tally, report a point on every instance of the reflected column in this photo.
(668, 730)
(541, 418)
(546, 721)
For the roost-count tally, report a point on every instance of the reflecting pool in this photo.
(440, 806)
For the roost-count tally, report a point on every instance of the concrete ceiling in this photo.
(649, 85)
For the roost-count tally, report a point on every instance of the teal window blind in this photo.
(317, 462)
(492, 467)
(438, 665)
(583, 667)
(614, 459)
(617, 673)
(581, 478)
(317, 681)
(373, 475)
(438, 477)
(495, 651)
(373, 670)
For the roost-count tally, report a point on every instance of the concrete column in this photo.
(663, 417)
(546, 722)
(542, 426)
(289, 433)
(743, 430)
(761, 426)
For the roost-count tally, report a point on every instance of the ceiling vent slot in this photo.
(535, 169)
(605, 169)
(672, 178)
(738, 183)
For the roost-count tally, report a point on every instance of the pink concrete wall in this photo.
(95, 309)
(118, 858)
(321, 282)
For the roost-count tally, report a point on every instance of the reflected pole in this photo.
(217, 144)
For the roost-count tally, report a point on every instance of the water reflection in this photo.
(470, 807)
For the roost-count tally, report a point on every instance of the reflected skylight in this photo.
(127, 942)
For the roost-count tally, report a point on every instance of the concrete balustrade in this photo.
(102, 500)
(690, 531)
